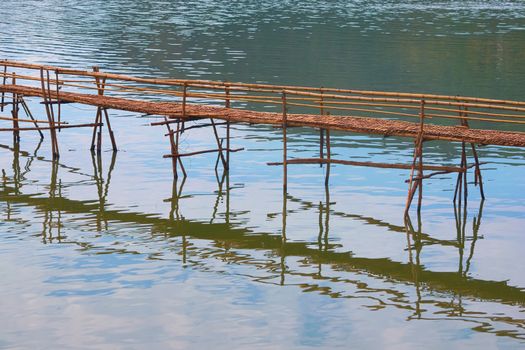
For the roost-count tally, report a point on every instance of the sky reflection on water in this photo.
(102, 253)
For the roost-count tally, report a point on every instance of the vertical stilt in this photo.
(321, 145)
(14, 113)
(51, 109)
(184, 92)
(227, 91)
(110, 131)
(101, 112)
(321, 131)
(4, 80)
(28, 113)
(478, 179)
(219, 144)
(327, 216)
(285, 155)
(48, 107)
(414, 184)
(328, 157)
(59, 108)
(97, 121)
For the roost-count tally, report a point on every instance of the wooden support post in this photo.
(414, 184)
(477, 171)
(420, 168)
(59, 109)
(14, 113)
(171, 135)
(52, 133)
(478, 180)
(102, 112)
(30, 115)
(184, 90)
(100, 91)
(321, 131)
(328, 157)
(219, 144)
(110, 131)
(53, 125)
(285, 153)
(97, 121)
(176, 151)
(227, 92)
(3, 84)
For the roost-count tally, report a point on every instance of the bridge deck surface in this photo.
(377, 126)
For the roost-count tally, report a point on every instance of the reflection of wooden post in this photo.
(285, 156)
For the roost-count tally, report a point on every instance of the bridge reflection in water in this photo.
(319, 266)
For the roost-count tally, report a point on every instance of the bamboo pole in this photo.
(188, 154)
(185, 88)
(321, 132)
(449, 169)
(58, 99)
(285, 156)
(14, 113)
(227, 105)
(30, 115)
(3, 93)
(54, 149)
(328, 157)
(421, 140)
(20, 120)
(49, 127)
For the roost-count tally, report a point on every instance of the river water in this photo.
(109, 252)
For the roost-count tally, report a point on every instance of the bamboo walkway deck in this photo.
(364, 125)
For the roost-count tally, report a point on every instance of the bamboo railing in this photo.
(392, 105)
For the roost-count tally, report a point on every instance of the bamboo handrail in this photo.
(265, 87)
(274, 100)
(372, 102)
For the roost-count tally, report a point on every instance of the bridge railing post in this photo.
(285, 151)
(4, 80)
(184, 93)
(14, 113)
(227, 93)
(321, 130)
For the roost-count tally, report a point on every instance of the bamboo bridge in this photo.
(422, 117)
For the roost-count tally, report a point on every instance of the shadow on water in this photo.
(322, 265)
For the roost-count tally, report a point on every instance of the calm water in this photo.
(110, 253)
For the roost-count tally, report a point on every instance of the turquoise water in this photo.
(109, 252)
